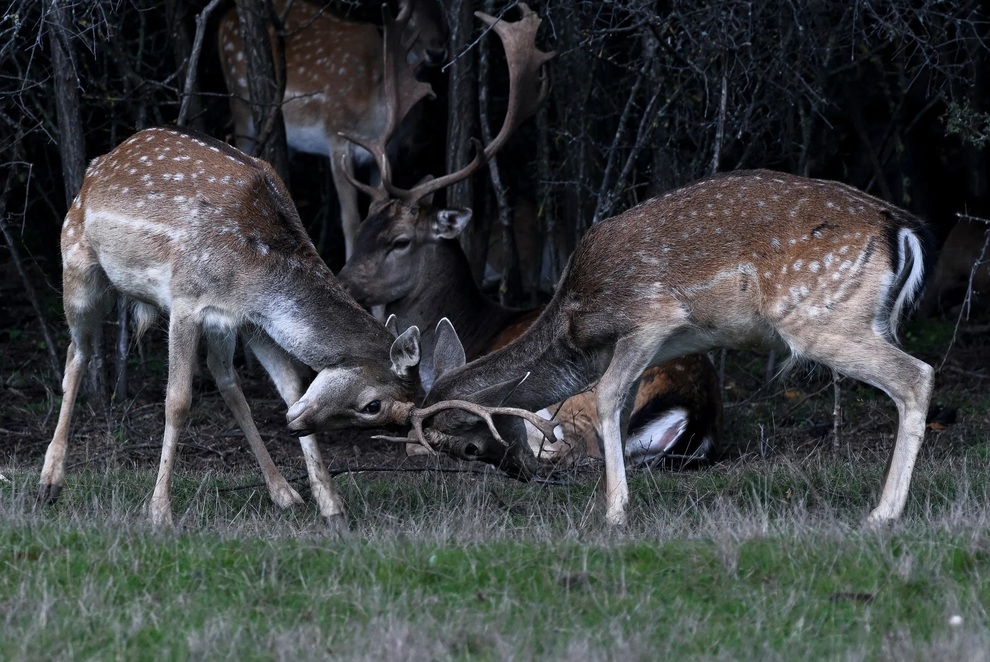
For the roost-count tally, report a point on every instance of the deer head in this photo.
(412, 209)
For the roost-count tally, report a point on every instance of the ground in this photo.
(789, 417)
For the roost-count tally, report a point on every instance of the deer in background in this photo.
(334, 72)
(407, 258)
(189, 225)
(739, 260)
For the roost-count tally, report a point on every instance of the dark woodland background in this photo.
(891, 97)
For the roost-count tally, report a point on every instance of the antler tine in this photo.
(402, 91)
(376, 193)
(418, 416)
(528, 88)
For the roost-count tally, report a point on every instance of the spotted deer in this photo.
(740, 260)
(188, 225)
(413, 265)
(334, 70)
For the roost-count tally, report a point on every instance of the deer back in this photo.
(751, 257)
(334, 70)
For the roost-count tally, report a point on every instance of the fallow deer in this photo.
(414, 266)
(334, 71)
(742, 259)
(189, 225)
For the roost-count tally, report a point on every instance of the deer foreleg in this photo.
(632, 355)
(220, 362)
(284, 372)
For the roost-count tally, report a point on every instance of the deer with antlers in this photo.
(414, 266)
(407, 258)
(739, 260)
(188, 225)
(334, 71)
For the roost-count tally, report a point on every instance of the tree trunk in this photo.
(72, 150)
(462, 113)
(265, 85)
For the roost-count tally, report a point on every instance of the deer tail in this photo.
(914, 254)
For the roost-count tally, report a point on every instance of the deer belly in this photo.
(149, 282)
(308, 138)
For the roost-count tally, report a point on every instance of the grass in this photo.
(755, 559)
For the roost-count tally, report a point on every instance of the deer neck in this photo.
(447, 289)
(306, 311)
(557, 368)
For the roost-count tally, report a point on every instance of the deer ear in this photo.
(497, 395)
(449, 223)
(405, 352)
(392, 325)
(448, 352)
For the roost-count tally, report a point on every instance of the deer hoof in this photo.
(48, 494)
(337, 526)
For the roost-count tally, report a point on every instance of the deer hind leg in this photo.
(288, 378)
(183, 339)
(220, 361)
(88, 297)
(871, 358)
(342, 166)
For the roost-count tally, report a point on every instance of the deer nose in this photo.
(435, 56)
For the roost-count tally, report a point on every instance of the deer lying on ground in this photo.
(414, 266)
(334, 73)
(742, 259)
(407, 258)
(189, 225)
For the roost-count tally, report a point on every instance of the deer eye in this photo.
(372, 407)
(400, 244)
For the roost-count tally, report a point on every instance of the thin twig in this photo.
(967, 300)
(29, 291)
(190, 83)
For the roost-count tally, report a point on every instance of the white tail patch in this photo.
(658, 437)
(143, 315)
(910, 272)
(542, 448)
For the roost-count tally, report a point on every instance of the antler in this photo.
(418, 416)
(402, 91)
(528, 88)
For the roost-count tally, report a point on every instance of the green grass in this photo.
(753, 559)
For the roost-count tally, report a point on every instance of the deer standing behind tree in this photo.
(188, 225)
(739, 260)
(334, 73)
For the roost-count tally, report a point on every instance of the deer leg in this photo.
(632, 355)
(53, 471)
(286, 374)
(183, 339)
(220, 361)
(85, 292)
(871, 358)
(341, 165)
